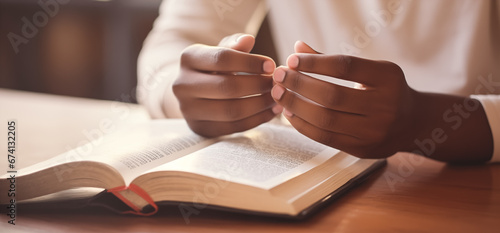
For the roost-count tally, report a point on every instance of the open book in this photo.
(271, 169)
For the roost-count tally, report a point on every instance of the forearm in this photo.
(154, 89)
(450, 128)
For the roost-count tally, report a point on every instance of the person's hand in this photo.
(370, 121)
(224, 89)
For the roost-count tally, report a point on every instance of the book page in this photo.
(150, 146)
(263, 157)
(132, 151)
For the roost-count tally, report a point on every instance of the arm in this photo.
(382, 117)
(182, 23)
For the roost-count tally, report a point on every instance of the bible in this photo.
(271, 169)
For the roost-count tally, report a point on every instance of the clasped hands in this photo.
(224, 89)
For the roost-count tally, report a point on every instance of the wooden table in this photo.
(411, 194)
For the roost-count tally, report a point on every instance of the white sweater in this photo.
(446, 46)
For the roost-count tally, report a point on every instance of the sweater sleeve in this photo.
(182, 23)
(491, 105)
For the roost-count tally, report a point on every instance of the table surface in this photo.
(410, 194)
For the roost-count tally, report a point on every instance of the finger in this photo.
(219, 59)
(302, 47)
(226, 110)
(336, 140)
(217, 128)
(327, 94)
(221, 86)
(239, 41)
(327, 119)
(338, 66)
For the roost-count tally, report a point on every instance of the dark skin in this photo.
(382, 117)
(379, 118)
(215, 97)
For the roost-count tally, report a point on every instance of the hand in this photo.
(371, 121)
(225, 89)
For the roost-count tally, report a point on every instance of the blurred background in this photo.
(82, 48)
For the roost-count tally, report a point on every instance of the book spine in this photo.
(140, 192)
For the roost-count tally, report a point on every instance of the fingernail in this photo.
(287, 113)
(277, 109)
(239, 37)
(279, 75)
(293, 61)
(277, 92)
(268, 67)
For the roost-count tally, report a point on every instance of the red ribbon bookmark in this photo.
(137, 190)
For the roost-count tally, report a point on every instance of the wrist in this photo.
(449, 128)
(426, 128)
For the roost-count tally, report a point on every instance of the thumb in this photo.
(239, 41)
(301, 47)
